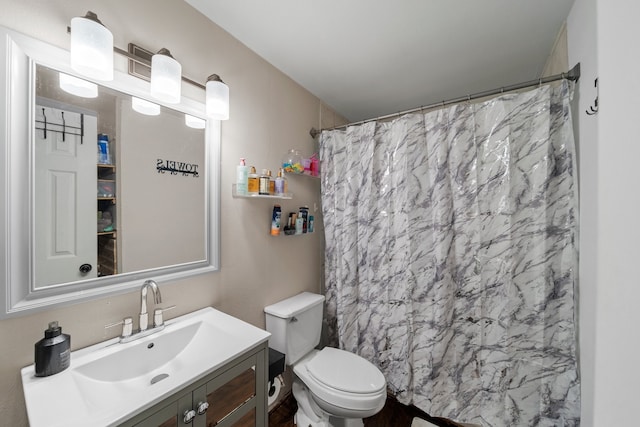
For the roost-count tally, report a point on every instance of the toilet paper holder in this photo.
(276, 364)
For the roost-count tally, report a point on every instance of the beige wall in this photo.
(558, 59)
(158, 210)
(269, 114)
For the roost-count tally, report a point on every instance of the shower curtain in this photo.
(451, 256)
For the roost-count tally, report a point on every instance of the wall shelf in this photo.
(305, 173)
(234, 193)
(282, 233)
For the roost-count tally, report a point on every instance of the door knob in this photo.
(202, 407)
(189, 416)
(85, 268)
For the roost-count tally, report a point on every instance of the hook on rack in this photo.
(64, 126)
(593, 109)
(45, 124)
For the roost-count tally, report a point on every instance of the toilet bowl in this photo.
(333, 388)
(342, 384)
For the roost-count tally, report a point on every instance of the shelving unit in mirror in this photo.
(107, 235)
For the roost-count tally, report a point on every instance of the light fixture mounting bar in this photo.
(140, 63)
(140, 57)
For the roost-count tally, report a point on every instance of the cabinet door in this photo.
(249, 420)
(171, 415)
(232, 397)
(165, 417)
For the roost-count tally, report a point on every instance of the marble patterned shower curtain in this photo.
(451, 256)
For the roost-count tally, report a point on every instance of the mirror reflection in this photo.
(118, 184)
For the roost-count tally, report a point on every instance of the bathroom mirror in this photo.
(77, 223)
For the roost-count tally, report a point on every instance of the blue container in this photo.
(103, 149)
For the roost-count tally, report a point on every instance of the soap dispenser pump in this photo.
(53, 352)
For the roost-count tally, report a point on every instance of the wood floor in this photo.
(393, 414)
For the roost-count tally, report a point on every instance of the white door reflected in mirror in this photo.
(65, 182)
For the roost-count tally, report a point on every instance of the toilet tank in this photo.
(295, 324)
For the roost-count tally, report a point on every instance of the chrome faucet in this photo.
(144, 316)
(143, 321)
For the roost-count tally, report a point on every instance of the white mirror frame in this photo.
(19, 55)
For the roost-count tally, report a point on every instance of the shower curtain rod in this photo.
(573, 75)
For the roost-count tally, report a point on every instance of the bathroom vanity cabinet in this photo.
(232, 396)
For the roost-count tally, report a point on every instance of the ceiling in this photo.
(366, 58)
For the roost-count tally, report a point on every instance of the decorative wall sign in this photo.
(175, 167)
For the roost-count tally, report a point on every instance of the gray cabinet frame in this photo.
(189, 396)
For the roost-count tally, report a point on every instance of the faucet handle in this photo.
(158, 320)
(127, 326)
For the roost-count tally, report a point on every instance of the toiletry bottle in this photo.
(53, 352)
(103, 149)
(282, 186)
(289, 228)
(279, 184)
(275, 220)
(242, 177)
(272, 185)
(310, 226)
(265, 178)
(314, 165)
(304, 214)
(253, 182)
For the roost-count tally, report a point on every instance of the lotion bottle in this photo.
(281, 183)
(53, 352)
(242, 177)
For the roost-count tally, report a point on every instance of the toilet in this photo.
(333, 388)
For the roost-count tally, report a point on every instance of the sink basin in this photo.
(110, 382)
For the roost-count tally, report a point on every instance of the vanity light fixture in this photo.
(78, 87)
(217, 98)
(166, 77)
(194, 122)
(145, 107)
(91, 47)
(89, 36)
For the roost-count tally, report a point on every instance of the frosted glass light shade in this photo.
(166, 77)
(78, 87)
(145, 107)
(217, 98)
(194, 122)
(91, 48)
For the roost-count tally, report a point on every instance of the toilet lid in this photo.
(345, 371)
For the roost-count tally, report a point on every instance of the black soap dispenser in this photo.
(53, 352)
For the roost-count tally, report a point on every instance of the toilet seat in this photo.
(345, 371)
(331, 393)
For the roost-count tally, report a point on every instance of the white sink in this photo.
(110, 382)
